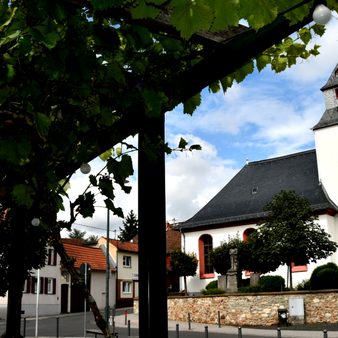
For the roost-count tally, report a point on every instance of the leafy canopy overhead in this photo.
(78, 77)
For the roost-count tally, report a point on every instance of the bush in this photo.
(212, 285)
(304, 285)
(214, 291)
(272, 283)
(324, 277)
(249, 289)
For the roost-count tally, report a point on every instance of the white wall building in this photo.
(237, 208)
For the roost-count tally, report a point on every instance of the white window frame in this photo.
(126, 261)
(126, 287)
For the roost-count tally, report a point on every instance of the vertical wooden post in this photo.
(153, 315)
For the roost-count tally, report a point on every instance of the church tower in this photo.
(326, 138)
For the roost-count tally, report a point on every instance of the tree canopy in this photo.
(78, 77)
(130, 227)
(290, 234)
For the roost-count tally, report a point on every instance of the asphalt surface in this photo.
(72, 325)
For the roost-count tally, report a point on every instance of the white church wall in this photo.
(327, 159)
(220, 235)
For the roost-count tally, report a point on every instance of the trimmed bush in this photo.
(324, 277)
(212, 285)
(304, 285)
(272, 283)
(214, 291)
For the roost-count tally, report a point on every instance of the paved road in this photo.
(72, 325)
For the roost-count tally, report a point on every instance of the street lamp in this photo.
(107, 270)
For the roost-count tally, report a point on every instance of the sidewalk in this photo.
(120, 321)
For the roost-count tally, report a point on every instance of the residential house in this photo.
(173, 241)
(95, 259)
(237, 208)
(47, 281)
(124, 257)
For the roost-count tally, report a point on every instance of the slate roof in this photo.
(332, 81)
(245, 196)
(329, 118)
(85, 254)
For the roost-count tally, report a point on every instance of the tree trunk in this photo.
(185, 285)
(14, 299)
(290, 273)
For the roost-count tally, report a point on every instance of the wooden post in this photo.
(153, 315)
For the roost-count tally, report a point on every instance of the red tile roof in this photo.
(124, 246)
(85, 254)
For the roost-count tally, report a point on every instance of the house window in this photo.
(204, 248)
(127, 261)
(51, 257)
(50, 286)
(126, 287)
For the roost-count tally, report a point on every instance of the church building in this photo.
(238, 207)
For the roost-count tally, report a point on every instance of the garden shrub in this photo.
(214, 291)
(304, 285)
(272, 283)
(212, 285)
(324, 277)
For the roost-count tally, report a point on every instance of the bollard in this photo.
(125, 317)
(239, 332)
(129, 328)
(177, 330)
(57, 327)
(113, 326)
(206, 332)
(219, 318)
(325, 334)
(279, 333)
(189, 321)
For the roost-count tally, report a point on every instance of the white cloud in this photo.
(193, 178)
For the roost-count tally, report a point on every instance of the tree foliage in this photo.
(183, 264)
(290, 234)
(220, 256)
(78, 77)
(130, 227)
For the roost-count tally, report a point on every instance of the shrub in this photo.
(250, 288)
(304, 285)
(212, 285)
(272, 283)
(324, 277)
(214, 291)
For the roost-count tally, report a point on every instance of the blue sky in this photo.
(266, 115)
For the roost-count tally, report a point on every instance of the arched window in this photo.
(247, 232)
(204, 248)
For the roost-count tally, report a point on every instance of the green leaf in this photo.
(106, 187)
(191, 16)
(110, 205)
(226, 82)
(101, 4)
(305, 35)
(153, 101)
(121, 169)
(10, 72)
(241, 73)
(195, 147)
(9, 38)
(23, 195)
(85, 204)
(191, 104)
(43, 123)
(214, 87)
(93, 180)
(259, 12)
(262, 61)
(224, 20)
(142, 11)
(183, 143)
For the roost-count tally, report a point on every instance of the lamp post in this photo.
(107, 270)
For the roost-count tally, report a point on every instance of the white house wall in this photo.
(98, 289)
(221, 235)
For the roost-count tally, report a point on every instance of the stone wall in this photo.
(252, 309)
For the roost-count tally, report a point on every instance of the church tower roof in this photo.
(332, 81)
(330, 91)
